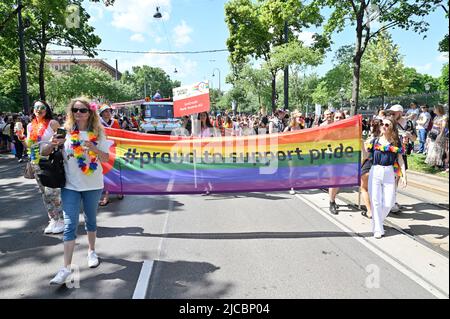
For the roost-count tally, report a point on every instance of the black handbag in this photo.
(52, 170)
(433, 136)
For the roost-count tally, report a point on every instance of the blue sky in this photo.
(190, 25)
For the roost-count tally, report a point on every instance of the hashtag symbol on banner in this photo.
(130, 156)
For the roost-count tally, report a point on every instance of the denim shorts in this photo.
(71, 204)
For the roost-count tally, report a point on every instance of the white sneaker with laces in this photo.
(61, 277)
(292, 191)
(92, 259)
(377, 235)
(58, 227)
(49, 228)
(395, 208)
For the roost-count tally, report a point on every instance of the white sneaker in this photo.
(377, 235)
(292, 192)
(60, 277)
(49, 228)
(92, 259)
(58, 227)
(395, 208)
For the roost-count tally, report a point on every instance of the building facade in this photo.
(64, 60)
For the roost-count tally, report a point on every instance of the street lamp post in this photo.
(215, 75)
(286, 70)
(427, 89)
(219, 86)
(341, 92)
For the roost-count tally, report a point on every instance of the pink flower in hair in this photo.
(93, 106)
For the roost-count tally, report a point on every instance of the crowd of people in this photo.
(228, 124)
(389, 137)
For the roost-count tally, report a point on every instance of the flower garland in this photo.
(389, 148)
(386, 148)
(79, 153)
(35, 136)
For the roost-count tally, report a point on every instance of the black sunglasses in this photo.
(386, 124)
(83, 110)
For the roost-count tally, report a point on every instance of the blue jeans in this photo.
(422, 138)
(71, 204)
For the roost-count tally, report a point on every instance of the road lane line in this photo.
(144, 280)
(143, 283)
(410, 274)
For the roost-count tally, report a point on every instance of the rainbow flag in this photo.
(314, 158)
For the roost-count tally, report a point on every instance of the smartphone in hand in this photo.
(61, 133)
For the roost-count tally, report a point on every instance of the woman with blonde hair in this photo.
(84, 147)
(294, 123)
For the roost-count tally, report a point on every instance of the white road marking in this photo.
(425, 284)
(144, 280)
(140, 292)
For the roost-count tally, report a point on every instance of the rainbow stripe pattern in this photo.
(314, 158)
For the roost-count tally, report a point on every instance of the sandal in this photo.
(364, 213)
(104, 202)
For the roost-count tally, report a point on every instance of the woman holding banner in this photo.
(85, 146)
(205, 125)
(105, 112)
(387, 162)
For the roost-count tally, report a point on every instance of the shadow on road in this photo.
(103, 232)
(185, 280)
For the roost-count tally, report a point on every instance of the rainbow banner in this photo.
(314, 158)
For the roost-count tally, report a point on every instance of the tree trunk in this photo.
(355, 85)
(41, 74)
(42, 63)
(274, 92)
(357, 61)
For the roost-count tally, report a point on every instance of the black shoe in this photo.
(333, 208)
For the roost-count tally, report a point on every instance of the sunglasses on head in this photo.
(83, 110)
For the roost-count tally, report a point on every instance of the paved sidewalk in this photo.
(424, 209)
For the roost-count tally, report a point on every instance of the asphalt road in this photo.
(250, 245)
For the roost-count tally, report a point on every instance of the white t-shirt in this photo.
(413, 111)
(423, 116)
(46, 137)
(75, 179)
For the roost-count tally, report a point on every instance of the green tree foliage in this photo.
(257, 31)
(82, 80)
(444, 82)
(340, 76)
(301, 89)
(153, 78)
(359, 13)
(45, 22)
(383, 70)
(418, 81)
(61, 22)
(443, 44)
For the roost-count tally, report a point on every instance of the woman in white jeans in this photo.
(386, 152)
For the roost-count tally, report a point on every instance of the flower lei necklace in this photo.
(79, 153)
(37, 131)
(389, 148)
(386, 148)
